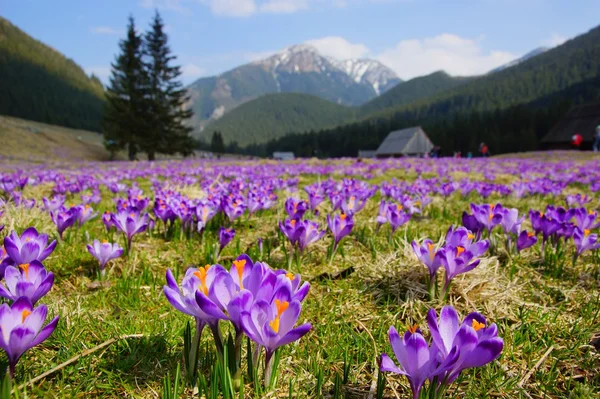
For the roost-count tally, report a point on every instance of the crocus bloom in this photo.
(525, 240)
(104, 252)
(289, 228)
(130, 222)
(185, 299)
(234, 208)
(53, 204)
(107, 220)
(225, 237)
(511, 223)
(456, 260)
(353, 205)
(21, 329)
(271, 324)
(340, 226)
(586, 219)
(476, 343)
(63, 218)
(584, 241)
(295, 209)
(205, 211)
(28, 247)
(471, 223)
(418, 361)
(461, 237)
(84, 213)
(426, 254)
(33, 282)
(308, 233)
(488, 215)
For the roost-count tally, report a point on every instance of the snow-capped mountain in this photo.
(527, 56)
(300, 68)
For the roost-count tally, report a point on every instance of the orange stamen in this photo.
(431, 250)
(239, 266)
(343, 216)
(477, 325)
(293, 222)
(530, 234)
(104, 241)
(201, 274)
(24, 315)
(586, 232)
(290, 276)
(470, 236)
(459, 250)
(25, 268)
(413, 329)
(281, 307)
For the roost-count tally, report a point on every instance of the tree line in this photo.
(145, 99)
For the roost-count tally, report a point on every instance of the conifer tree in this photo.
(126, 110)
(166, 132)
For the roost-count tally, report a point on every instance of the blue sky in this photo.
(413, 37)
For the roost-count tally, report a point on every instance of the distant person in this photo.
(597, 139)
(484, 150)
(576, 141)
(469, 155)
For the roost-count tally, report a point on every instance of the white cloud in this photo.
(283, 6)
(555, 40)
(232, 8)
(451, 53)
(105, 30)
(339, 48)
(191, 71)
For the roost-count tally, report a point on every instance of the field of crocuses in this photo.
(398, 278)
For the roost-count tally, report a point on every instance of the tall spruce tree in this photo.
(126, 109)
(166, 132)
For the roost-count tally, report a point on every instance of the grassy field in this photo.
(549, 320)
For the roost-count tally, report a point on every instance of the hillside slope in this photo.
(39, 83)
(414, 90)
(275, 115)
(575, 61)
(27, 141)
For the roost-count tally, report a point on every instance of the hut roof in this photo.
(582, 119)
(412, 140)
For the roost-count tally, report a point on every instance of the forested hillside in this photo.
(275, 115)
(40, 84)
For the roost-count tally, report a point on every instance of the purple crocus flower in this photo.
(397, 217)
(107, 220)
(131, 222)
(21, 329)
(233, 207)
(476, 343)
(295, 209)
(488, 215)
(289, 228)
(586, 220)
(461, 237)
(353, 205)
(33, 282)
(426, 254)
(308, 233)
(205, 211)
(104, 252)
(382, 215)
(28, 247)
(455, 261)
(471, 223)
(418, 361)
(525, 240)
(185, 299)
(84, 213)
(225, 237)
(51, 205)
(577, 199)
(340, 226)
(63, 218)
(511, 223)
(584, 241)
(272, 324)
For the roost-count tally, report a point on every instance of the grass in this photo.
(547, 321)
